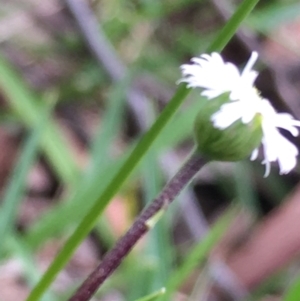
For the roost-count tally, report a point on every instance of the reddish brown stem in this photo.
(114, 257)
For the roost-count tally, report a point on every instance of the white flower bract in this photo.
(217, 77)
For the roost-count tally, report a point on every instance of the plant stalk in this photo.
(144, 222)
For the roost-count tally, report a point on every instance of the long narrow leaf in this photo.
(28, 107)
(70, 210)
(293, 293)
(139, 151)
(153, 296)
(157, 258)
(18, 247)
(198, 254)
(15, 190)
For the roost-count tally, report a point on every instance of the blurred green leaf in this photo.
(153, 296)
(155, 267)
(245, 187)
(135, 157)
(268, 18)
(98, 174)
(198, 254)
(293, 293)
(28, 108)
(15, 190)
(19, 248)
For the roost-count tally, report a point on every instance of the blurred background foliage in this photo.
(80, 81)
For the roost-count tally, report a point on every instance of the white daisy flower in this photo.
(216, 77)
(275, 146)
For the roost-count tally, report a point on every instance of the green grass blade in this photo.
(127, 168)
(28, 108)
(31, 273)
(52, 223)
(70, 210)
(245, 187)
(198, 254)
(15, 189)
(154, 296)
(109, 128)
(273, 16)
(159, 238)
(232, 25)
(90, 219)
(293, 293)
(155, 266)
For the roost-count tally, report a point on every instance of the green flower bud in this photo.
(234, 143)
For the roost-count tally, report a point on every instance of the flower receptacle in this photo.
(234, 143)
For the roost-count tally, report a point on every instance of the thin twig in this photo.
(140, 227)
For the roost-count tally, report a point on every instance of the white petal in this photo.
(268, 168)
(278, 148)
(216, 77)
(287, 122)
(250, 75)
(227, 115)
(254, 154)
(250, 63)
(287, 158)
(231, 112)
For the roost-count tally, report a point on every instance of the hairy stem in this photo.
(142, 225)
